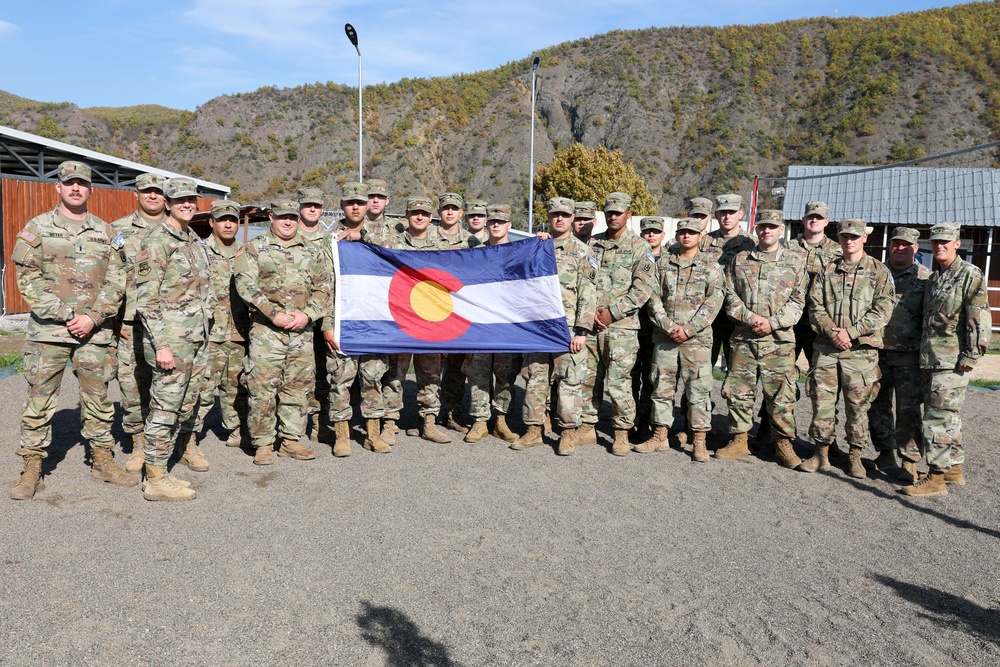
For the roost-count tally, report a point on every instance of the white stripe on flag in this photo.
(489, 303)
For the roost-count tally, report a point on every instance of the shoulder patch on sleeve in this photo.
(118, 242)
(29, 237)
(649, 254)
(593, 262)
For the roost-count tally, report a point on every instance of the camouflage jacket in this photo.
(577, 272)
(273, 276)
(128, 233)
(173, 290)
(62, 271)
(817, 255)
(857, 297)
(322, 243)
(902, 332)
(689, 295)
(404, 241)
(460, 239)
(482, 235)
(771, 285)
(626, 276)
(231, 316)
(957, 318)
(724, 248)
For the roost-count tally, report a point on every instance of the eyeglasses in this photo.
(494, 223)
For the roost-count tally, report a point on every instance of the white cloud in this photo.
(294, 24)
(7, 28)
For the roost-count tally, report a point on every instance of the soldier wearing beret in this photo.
(61, 258)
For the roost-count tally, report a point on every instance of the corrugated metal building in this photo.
(28, 166)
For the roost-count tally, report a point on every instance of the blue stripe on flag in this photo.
(385, 337)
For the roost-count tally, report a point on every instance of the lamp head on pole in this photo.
(352, 35)
(535, 62)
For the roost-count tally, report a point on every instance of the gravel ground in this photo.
(463, 554)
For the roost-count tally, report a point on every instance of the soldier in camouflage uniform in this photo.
(584, 214)
(134, 374)
(956, 334)
(765, 294)
(283, 278)
(378, 199)
(475, 219)
(626, 276)
(850, 302)
(651, 231)
(175, 301)
(227, 346)
(689, 295)
(61, 258)
(701, 209)
(492, 371)
(899, 362)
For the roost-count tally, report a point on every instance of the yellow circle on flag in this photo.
(431, 301)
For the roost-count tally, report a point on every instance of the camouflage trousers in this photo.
(134, 377)
(225, 374)
(773, 365)
(642, 382)
(44, 364)
(428, 371)
(342, 372)
(901, 375)
(453, 382)
(173, 397)
(690, 362)
(567, 372)
(280, 372)
(944, 396)
(854, 374)
(490, 371)
(610, 356)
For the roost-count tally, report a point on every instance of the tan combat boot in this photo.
(547, 426)
(429, 430)
(502, 431)
(264, 456)
(785, 453)
(567, 442)
(682, 439)
(104, 469)
(342, 443)
(737, 448)
(31, 479)
(160, 486)
(907, 472)
(137, 459)
(235, 438)
(620, 446)
(955, 475)
(818, 461)
(586, 435)
(389, 431)
(316, 424)
(699, 451)
(855, 468)
(931, 485)
(532, 438)
(659, 442)
(451, 421)
(192, 456)
(477, 432)
(836, 454)
(374, 441)
(293, 449)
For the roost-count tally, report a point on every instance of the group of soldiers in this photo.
(178, 320)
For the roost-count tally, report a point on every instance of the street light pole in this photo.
(536, 61)
(353, 36)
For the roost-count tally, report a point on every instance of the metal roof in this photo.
(32, 157)
(897, 195)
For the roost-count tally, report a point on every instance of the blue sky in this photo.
(183, 53)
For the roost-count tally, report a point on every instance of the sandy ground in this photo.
(441, 555)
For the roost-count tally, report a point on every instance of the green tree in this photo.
(583, 173)
(47, 127)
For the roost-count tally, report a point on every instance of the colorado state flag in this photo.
(503, 298)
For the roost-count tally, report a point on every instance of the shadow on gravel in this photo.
(65, 436)
(947, 609)
(915, 506)
(395, 633)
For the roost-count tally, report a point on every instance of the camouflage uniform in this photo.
(275, 276)
(817, 257)
(724, 249)
(859, 298)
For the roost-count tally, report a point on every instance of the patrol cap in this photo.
(816, 208)
(175, 188)
(475, 207)
(728, 202)
(770, 216)
(147, 181)
(284, 207)
(853, 226)
(651, 222)
(945, 231)
(451, 198)
(498, 212)
(908, 234)
(562, 205)
(377, 186)
(419, 204)
(311, 196)
(689, 224)
(617, 202)
(700, 206)
(71, 169)
(586, 210)
(225, 207)
(354, 191)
